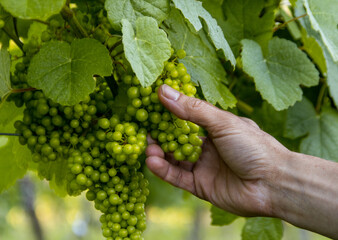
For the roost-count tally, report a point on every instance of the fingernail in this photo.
(170, 93)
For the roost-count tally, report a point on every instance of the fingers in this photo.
(193, 109)
(155, 150)
(174, 175)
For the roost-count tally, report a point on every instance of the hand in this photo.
(237, 160)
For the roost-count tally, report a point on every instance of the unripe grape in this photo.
(181, 54)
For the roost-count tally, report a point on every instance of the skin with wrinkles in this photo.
(246, 171)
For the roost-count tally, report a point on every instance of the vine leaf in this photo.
(131, 10)
(320, 131)
(244, 20)
(65, 72)
(146, 49)
(5, 67)
(314, 50)
(262, 228)
(323, 16)
(193, 11)
(55, 172)
(14, 157)
(273, 122)
(201, 61)
(331, 66)
(37, 9)
(278, 74)
(220, 217)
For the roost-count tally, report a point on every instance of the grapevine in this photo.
(84, 78)
(103, 149)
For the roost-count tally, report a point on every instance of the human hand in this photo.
(236, 165)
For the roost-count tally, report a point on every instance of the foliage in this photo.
(65, 57)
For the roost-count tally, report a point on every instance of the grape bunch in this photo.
(102, 155)
(98, 149)
(175, 135)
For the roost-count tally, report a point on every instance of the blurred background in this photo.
(32, 211)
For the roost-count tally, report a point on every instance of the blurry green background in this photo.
(171, 213)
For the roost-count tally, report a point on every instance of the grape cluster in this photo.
(102, 155)
(175, 135)
(100, 149)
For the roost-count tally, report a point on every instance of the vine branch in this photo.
(115, 45)
(12, 36)
(23, 90)
(40, 21)
(287, 22)
(69, 16)
(321, 97)
(244, 107)
(10, 134)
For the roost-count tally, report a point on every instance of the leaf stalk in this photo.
(12, 36)
(321, 97)
(287, 22)
(69, 16)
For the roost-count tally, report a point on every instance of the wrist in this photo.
(303, 192)
(280, 183)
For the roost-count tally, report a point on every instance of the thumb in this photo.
(194, 110)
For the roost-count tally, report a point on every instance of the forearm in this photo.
(304, 192)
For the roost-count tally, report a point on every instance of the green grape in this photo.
(181, 54)
(104, 123)
(45, 36)
(102, 146)
(141, 115)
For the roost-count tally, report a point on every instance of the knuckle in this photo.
(194, 104)
(179, 178)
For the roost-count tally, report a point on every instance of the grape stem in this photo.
(115, 45)
(321, 97)
(15, 27)
(118, 63)
(119, 53)
(23, 90)
(10, 134)
(286, 23)
(244, 107)
(13, 37)
(40, 21)
(69, 16)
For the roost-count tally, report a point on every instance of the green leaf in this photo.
(121, 101)
(278, 74)
(262, 228)
(313, 49)
(193, 11)
(220, 217)
(132, 9)
(320, 131)
(273, 122)
(35, 31)
(65, 72)
(33, 9)
(332, 76)
(146, 49)
(5, 67)
(14, 157)
(323, 15)
(201, 61)
(56, 173)
(331, 66)
(247, 19)
(4, 40)
(60, 189)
